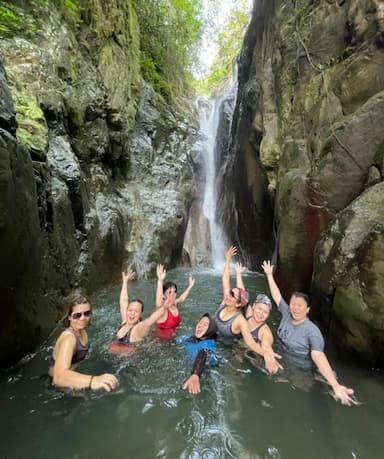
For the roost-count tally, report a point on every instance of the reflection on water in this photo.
(241, 413)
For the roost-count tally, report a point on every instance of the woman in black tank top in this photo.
(72, 346)
(133, 329)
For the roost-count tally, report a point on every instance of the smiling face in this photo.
(202, 327)
(260, 312)
(79, 316)
(232, 298)
(299, 309)
(134, 313)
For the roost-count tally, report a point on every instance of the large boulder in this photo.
(349, 268)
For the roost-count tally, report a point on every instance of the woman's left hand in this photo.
(192, 384)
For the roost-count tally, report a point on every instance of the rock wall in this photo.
(316, 82)
(94, 173)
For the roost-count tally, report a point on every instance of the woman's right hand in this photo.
(230, 253)
(106, 381)
(161, 272)
(128, 275)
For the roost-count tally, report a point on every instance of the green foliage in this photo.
(229, 43)
(71, 5)
(11, 19)
(18, 17)
(169, 33)
(152, 76)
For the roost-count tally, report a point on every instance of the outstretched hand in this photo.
(191, 282)
(267, 267)
(161, 272)
(128, 275)
(192, 384)
(230, 253)
(344, 394)
(271, 364)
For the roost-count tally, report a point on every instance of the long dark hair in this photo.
(73, 301)
(168, 285)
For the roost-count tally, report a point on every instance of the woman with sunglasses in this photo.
(133, 329)
(171, 318)
(231, 322)
(72, 347)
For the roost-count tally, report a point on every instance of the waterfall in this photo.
(212, 114)
(205, 238)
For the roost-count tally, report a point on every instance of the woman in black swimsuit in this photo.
(72, 346)
(132, 329)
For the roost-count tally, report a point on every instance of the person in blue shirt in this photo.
(201, 346)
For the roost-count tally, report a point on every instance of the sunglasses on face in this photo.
(78, 315)
(233, 295)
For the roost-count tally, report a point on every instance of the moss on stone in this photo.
(11, 19)
(348, 303)
(32, 128)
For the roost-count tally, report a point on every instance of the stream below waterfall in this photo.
(241, 412)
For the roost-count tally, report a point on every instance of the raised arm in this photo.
(342, 393)
(187, 291)
(275, 291)
(124, 295)
(161, 273)
(141, 330)
(266, 340)
(64, 376)
(226, 273)
(239, 269)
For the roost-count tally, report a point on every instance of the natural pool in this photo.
(241, 412)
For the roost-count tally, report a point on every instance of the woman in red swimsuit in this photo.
(171, 318)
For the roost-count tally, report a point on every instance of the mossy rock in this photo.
(32, 127)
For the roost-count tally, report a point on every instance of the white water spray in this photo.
(209, 122)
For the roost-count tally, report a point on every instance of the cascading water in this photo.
(211, 127)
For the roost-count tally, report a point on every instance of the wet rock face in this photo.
(349, 264)
(94, 174)
(317, 79)
(7, 110)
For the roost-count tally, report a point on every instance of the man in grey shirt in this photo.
(301, 336)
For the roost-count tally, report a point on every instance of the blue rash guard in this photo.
(192, 347)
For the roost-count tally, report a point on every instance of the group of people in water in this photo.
(235, 318)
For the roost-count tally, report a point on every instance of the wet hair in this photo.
(75, 300)
(302, 295)
(168, 285)
(136, 300)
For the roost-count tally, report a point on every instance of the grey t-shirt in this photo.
(299, 339)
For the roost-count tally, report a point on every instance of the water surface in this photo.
(241, 412)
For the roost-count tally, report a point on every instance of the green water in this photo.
(240, 413)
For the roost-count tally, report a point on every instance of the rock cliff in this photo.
(312, 104)
(94, 172)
